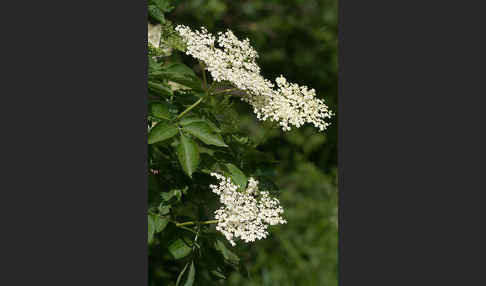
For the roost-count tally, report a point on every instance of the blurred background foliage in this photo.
(296, 38)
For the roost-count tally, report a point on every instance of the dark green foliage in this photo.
(221, 134)
(188, 155)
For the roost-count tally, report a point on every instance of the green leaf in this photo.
(227, 254)
(189, 120)
(180, 73)
(160, 89)
(180, 69)
(191, 275)
(205, 150)
(151, 228)
(213, 126)
(202, 131)
(167, 196)
(176, 42)
(163, 5)
(162, 131)
(188, 155)
(160, 223)
(160, 110)
(179, 248)
(156, 14)
(236, 175)
(164, 209)
(153, 65)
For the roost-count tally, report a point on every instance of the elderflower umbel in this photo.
(229, 59)
(245, 215)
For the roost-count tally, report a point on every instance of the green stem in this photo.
(204, 75)
(195, 222)
(225, 90)
(202, 98)
(190, 108)
(213, 85)
(189, 229)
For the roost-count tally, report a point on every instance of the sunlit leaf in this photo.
(202, 131)
(236, 175)
(162, 131)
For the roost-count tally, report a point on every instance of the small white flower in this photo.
(245, 215)
(229, 59)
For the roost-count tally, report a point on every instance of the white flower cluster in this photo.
(229, 59)
(245, 215)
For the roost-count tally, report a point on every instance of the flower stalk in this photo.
(190, 108)
(197, 222)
